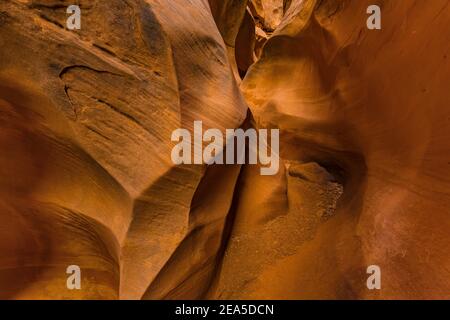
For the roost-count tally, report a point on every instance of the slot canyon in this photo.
(86, 176)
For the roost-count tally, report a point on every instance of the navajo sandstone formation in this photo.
(86, 177)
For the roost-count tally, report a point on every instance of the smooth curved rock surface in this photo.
(371, 107)
(88, 118)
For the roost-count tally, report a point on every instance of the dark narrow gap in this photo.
(231, 216)
(242, 73)
(226, 236)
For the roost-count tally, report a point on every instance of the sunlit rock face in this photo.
(86, 122)
(86, 177)
(371, 108)
(267, 13)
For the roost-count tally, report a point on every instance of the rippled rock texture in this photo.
(86, 177)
